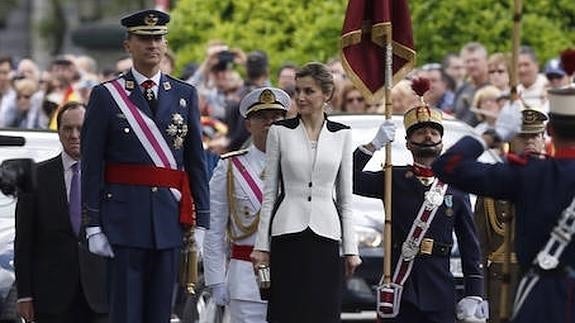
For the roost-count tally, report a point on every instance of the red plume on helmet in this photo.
(420, 85)
(568, 61)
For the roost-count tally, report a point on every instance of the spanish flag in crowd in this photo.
(363, 43)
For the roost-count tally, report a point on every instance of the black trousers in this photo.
(78, 312)
(306, 279)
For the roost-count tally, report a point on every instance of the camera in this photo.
(225, 60)
(16, 175)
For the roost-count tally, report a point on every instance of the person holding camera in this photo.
(213, 75)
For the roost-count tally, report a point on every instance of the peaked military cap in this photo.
(264, 98)
(422, 116)
(146, 22)
(533, 121)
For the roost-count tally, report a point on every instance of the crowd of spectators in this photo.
(471, 85)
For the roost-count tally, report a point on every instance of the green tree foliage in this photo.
(443, 26)
(297, 31)
(304, 30)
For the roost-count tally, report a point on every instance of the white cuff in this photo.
(90, 231)
(24, 299)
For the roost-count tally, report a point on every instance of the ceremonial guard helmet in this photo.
(422, 115)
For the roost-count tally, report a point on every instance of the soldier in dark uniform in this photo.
(429, 291)
(144, 174)
(490, 215)
(540, 189)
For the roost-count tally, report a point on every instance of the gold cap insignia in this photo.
(533, 121)
(267, 97)
(151, 20)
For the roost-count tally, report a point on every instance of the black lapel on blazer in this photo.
(58, 192)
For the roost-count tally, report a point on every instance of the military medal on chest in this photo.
(178, 129)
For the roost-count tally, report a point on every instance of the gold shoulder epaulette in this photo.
(234, 153)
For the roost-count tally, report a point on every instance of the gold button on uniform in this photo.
(154, 189)
(109, 195)
(126, 130)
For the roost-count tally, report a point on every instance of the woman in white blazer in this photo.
(306, 211)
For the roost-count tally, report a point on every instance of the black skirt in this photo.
(306, 279)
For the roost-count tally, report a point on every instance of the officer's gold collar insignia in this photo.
(167, 86)
(151, 20)
(177, 129)
(130, 85)
(267, 97)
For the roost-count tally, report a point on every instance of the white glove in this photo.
(385, 134)
(220, 294)
(508, 123)
(199, 234)
(472, 309)
(98, 243)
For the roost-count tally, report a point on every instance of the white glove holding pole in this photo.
(220, 294)
(385, 134)
(98, 243)
(508, 123)
(472, 309)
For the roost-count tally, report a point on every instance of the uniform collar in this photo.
(140, 78)
(422, 170)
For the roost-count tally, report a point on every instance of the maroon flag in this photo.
(363, 41)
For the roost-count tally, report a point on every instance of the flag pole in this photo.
(388, 163)
(504, 305)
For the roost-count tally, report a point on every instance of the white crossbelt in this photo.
(548, 257)
(389, 295)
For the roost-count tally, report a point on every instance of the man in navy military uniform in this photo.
(540, 189)
(144, 175)
(428, 291)
(491, 215)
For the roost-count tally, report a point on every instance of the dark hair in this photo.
(7, 59)
(256, 65)
(321, 74)
(68, 106)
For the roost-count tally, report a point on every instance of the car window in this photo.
(39, 145)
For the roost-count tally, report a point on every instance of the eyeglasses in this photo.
(501, 71)
(355, 98)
